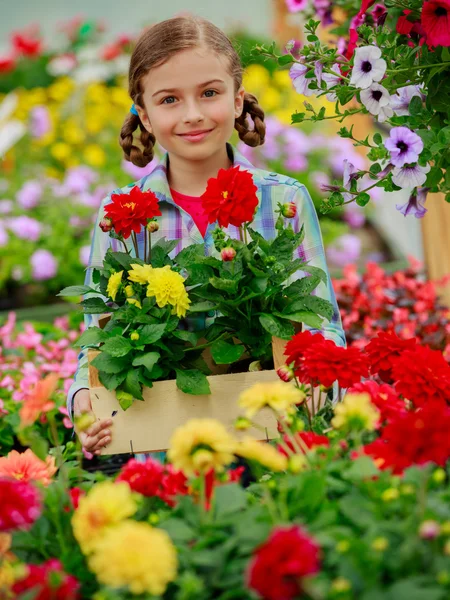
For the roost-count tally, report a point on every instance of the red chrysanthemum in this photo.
(413, 438)
(130, 212)
(296, 347)
(20, 504)
(383, 397)
(422, 375)
(326, 363)
(309, 439)
(436, 22)
(230, 197)
(279, 564)
(383, 350)
(47, 581)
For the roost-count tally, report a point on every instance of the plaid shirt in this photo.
(175, 223)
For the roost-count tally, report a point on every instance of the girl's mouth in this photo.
(195, 136)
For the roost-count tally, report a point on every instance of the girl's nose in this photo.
(193, 113)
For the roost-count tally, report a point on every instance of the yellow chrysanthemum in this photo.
(278, 395)
(167, 287)
(106, 504)
(356, 412)
(134, 301)
(201, 445)
(139, 273)
(113, 284)
(263, 453)
(61, 151)
(94, 155)
(135, 555)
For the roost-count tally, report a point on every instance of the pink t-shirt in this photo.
(193, 206)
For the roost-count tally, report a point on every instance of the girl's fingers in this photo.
(97, 427)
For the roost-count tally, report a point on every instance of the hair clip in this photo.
(133, 110)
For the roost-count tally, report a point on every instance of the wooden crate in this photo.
(148, 426)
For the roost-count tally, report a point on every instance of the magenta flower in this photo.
(44, 265)
(415, 205)
(40, 122)
(29, 194)
(345, 250)
(25, 228)
(138, 172)
(79, 179)
(6, 207)
(294, 6)
(404, 146)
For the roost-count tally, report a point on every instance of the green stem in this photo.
(149, 257)
(124, 245)
(226, 335)
(363, 191)
(418, 67)
(135, 244)
(271, 506)
(146, 235)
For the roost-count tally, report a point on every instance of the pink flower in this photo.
(44, 265)
(294, 6)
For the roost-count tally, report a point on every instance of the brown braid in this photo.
(251, 137)
(139, 156)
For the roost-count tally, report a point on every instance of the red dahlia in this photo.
(436, 22)
(326, 363)
(296, 347)
(20, 504)
(129, 212)
(279, 564)
(230, 197)
(174, 484)
(383, 350)
(422, 375)
(383, 397)
(47, 581)
(413, 438)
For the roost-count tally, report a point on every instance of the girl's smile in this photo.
(195, 136)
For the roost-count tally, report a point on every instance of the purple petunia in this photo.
(415, 205)
(404, 146)
(297, 74)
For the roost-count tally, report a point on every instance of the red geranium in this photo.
(279, 564)
(383, 350)
(47, 581)
(422, 375)
(326, 363)
(383, 397)
(413, 438)
(129, 212)
(309, 439)
(230, 197)
(20, 504)
(436, 22)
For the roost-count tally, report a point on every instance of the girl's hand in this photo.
(98, 435)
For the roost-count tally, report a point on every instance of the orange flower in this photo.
(39, 400)
(26, 466)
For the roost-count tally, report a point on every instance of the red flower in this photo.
(413, 438)
(326, 363)
(422, 375)
(230, 198)
(75, 494)
(436, 22)
(7, 64)
(174, 484)
(296, 347)
(383, 350)
(20, 504)
(26, 45)
(211, 481)
(404, 26)
(47, 581)
(383, 397)
(309, 439)
(129, 212)
(279, 564)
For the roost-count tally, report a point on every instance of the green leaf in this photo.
(92, 335)
(151, 333)
(285, 59)
(414, 589)
(117, 346)
(434, 177)
(316, 272)
(444, 136)
(166, 245)
(202, 307)
(277, 327)
(297, 118)
(125, 260)
(226, 285)
(77, 290)
(111, 381)
(198, 274)
(132, 384)
(319, 306)
(110, 364)
(229, 499)
(302, 287)
(190, 255)
(302, 316)
(375, 168)
(147, 360)
(94, 306)
(377, 139)
(124, 398)
(225, 353)
(186, 336)
(415, 106)
(179, 531)
(362, 467)
(362, 199)
(192, 381)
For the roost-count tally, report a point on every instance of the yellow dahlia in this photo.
(167, 287)
(114, 283)
(356, 412)
(278, 395)
(106, 504)
(134, 301)
(135, 555)
(263, 453)
(201, 445)
(139, 273)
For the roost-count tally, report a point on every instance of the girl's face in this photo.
(191, 104)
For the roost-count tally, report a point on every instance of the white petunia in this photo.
(301, 84)
(375, 98)
(368, 66)
(410, 176)
(332, 81)
(400, 101)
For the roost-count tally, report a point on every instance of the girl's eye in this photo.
(210, 93)
(168, 100)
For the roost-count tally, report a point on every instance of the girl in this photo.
(185, 79)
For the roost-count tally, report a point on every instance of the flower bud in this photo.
(106, 224)
(152, 226)
(254, 366)
(228, 253)
(289, 210)
(390, 494)
(153, 519)
(340, 585)
(285, 373)
(134, 336)
(380, 544)
(84, 421)
(242, 424)
(429, 530)
(297, 463)
(439, 476)
(129, 291)
(343, 546)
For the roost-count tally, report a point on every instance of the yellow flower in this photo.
(61, 89)
(114, 283)
(72, 133)
(390, 494)
(206, 437)
(343, 546)
(341, 585)
(356, 412)
(263, 453)
(380, 544)
(61, 151)
(94, 155)
(278, 395)
(129, 291)
(135, 555)
(139, 273)
(168, 288)
(106, 504)
(134, 301)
